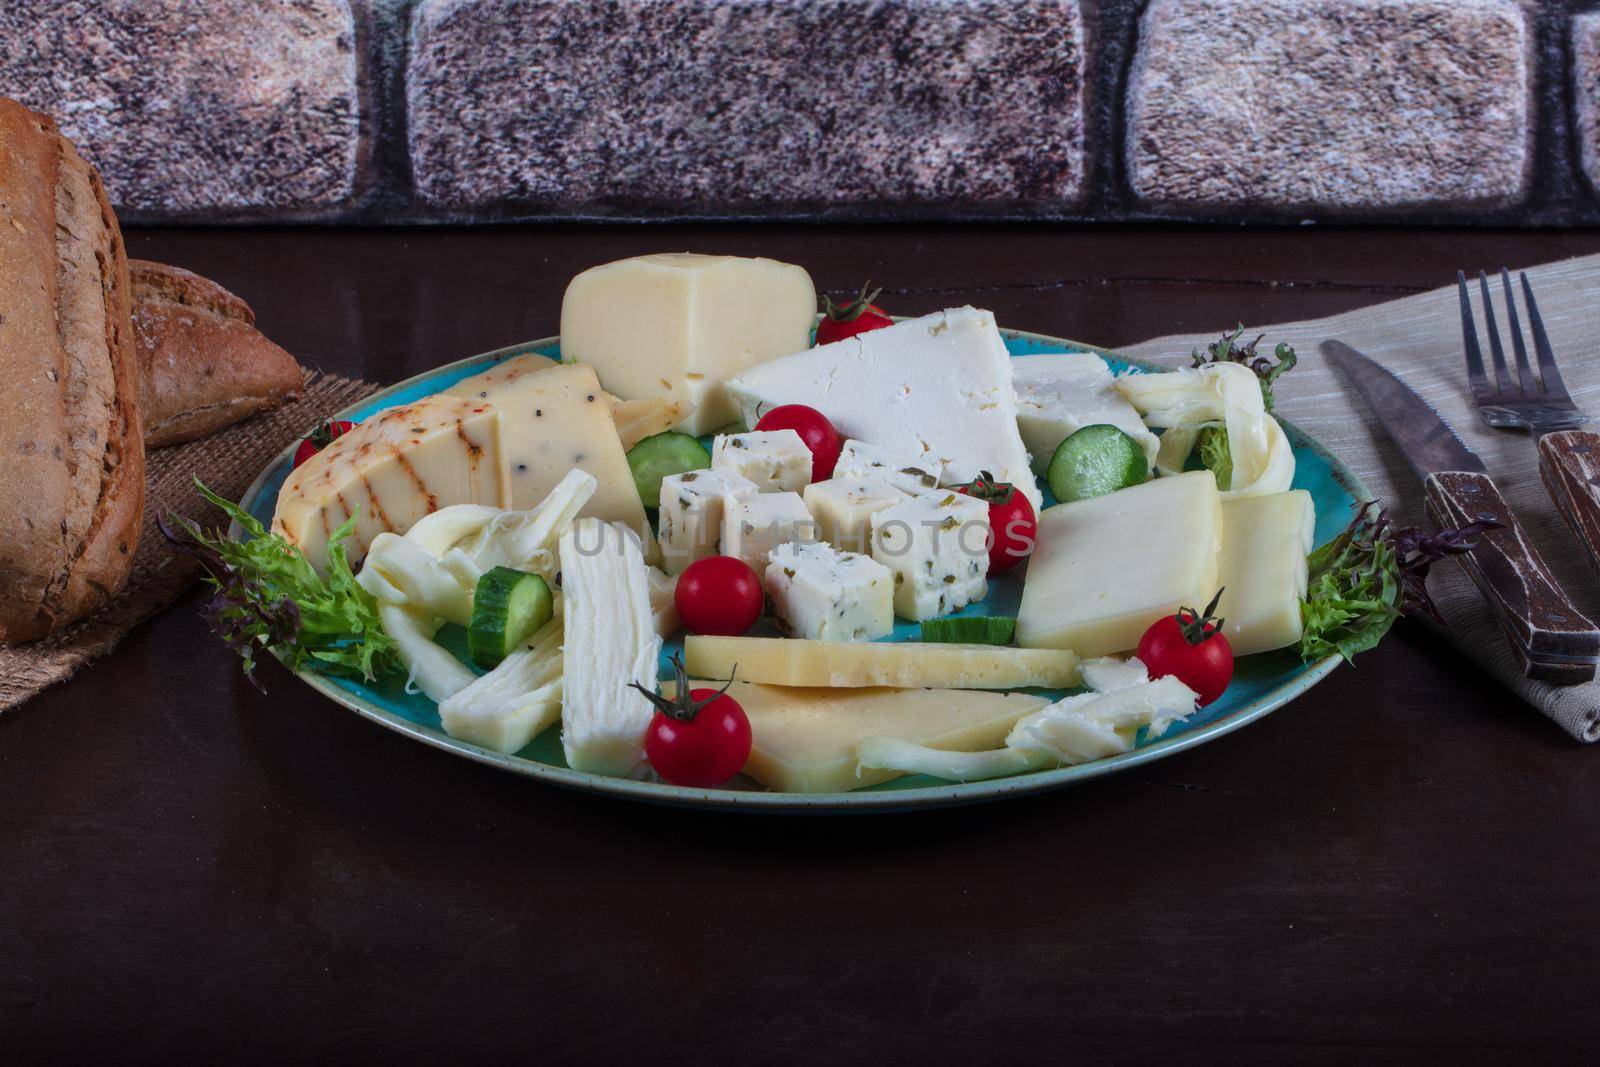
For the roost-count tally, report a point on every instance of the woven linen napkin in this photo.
(227, 461)
(1419, 338)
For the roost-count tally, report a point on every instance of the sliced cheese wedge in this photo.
(610, 641)
(804, 740)
(1104, 569)
(935, 390)
(392, 470)
(850, 664)
(1262, 569)
(558, 420)
(646, 416)
(478, 386)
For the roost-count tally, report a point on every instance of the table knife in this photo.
(1552, 639)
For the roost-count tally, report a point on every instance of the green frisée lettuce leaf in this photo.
(266, 595)
(1216, 456)
(1363, 580)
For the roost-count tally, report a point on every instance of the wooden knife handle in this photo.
(1552, 639)
(1569, 463)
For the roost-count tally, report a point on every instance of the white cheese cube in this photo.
(1105, 568)
(857, 459)
(677, 325)
(937, 546)
(690, 518)
(843, 508)
(821, 594)
(936, 389)
(1060, 393)
(753, 526)
(1262, 569)
(778, 461)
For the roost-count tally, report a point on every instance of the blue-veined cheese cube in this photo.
(753, 526)
(822, 594)
(857, 459)
(843, 508)
(937, 546)
(777, 461)
(689, 520)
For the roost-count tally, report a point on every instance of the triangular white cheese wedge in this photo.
(938, 388)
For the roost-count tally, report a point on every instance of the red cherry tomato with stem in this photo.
(321, 438)
(718, 595)
(1013, 526)
(858, 316)
(698, 737)
(814, 429)
(1191, 647)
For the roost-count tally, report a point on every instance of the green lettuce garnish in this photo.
(1370, 575)
(1216, 456)
(266, 595)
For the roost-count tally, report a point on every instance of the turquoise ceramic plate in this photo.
(1261, 684)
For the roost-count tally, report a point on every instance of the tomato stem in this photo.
(854, 309)
(1198, 626)
(985, 488)
(681, 705)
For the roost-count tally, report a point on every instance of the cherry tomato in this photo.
(1190, 647)
(321, 438)
(705, 749)
(697, 737)
(718, 595)
(1013, 526)
(858, 316)
(814, 429)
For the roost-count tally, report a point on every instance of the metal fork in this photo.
(1569, 458)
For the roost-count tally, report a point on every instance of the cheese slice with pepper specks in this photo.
(558, 420)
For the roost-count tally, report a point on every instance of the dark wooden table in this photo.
(1399, 866)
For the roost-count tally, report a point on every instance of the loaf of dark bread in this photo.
(71, 442)
(203, 363)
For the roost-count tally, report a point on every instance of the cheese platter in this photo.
(915, 562)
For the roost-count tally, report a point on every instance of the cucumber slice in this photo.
(660, 455)
(508, 608)
(972, 630)
(1094, 461)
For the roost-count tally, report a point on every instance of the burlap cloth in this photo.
(227, 462)
(1419, 338)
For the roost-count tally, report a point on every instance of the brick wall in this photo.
(1476, 111)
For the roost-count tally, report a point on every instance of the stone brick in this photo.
(222, 107)
(1336, 105)
(1586, 72)
(746, 105)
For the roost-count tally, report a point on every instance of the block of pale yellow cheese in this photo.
(852, 664)
(804, 740)
(679, 324)
(558, 420)
(1262, 569)
(393, 469)
(1105, 568)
